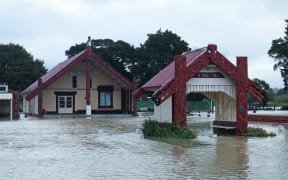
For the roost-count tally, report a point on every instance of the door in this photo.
(65, 104)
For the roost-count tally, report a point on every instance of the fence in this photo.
(190, 105)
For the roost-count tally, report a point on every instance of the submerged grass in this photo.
(152, 128)
(258, 132)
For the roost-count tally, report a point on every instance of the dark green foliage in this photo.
(119, 53)
(141, 63)
(196, 97)
(269, 93)
(198, 105)
(18, 67)
(258, 132)
(152, 128)
(279, 51)
(75, 49)
(156, 53)
(284, 107)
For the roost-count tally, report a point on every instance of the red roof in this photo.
(52, 73)
(163, 81)
(167, 74)
(66, 65)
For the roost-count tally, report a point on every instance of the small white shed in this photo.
(6, 103)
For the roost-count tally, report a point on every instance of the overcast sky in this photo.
(46, 28)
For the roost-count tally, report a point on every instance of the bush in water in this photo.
(258, 132)
(152, 128)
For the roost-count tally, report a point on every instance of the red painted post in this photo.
(88, 90)
(40, 99)
(241, 99)
(134, 102)
(88, 77)
(179, 98)
(15, 106)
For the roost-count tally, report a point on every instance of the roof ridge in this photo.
(191, 51)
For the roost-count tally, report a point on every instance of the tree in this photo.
(279, 51)
(141, 63)
(119, 54)
(269, 93)
(18, 68)
(156, 53)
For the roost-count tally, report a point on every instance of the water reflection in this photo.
(106, 148)
(231, 156)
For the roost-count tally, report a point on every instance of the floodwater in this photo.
(114, 148)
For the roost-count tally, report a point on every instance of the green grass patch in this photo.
(152, 128)
(258, 132)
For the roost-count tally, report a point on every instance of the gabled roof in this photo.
(65, 66)
(167, 74)
(163, 83)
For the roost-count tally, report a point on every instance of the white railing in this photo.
(227, 89)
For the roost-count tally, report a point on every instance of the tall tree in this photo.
(18, 68)
(119, 54)
(279, 51)
(156, 53)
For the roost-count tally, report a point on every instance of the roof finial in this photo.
(212, 48)
(89, 42)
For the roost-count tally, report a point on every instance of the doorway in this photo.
(65, 104)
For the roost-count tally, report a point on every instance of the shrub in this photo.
(285, 107)
(149, 109)
(258, 132)
(152, 128)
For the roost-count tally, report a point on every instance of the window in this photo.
(105, 99)
(69, 101)
(61, 101)
(74, 81)
(105, 96)
(209, 75)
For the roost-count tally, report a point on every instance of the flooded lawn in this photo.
(114, 148)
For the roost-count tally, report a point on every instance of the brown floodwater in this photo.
(114, 148)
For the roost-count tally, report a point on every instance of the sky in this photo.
(46, 28)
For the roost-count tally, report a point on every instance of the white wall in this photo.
(6, 103)
(225, 106)
(221, 90)
(6, 96)
(225, 84)
(31, 107)
(163, 112)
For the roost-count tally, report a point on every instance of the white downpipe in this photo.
(88, 110)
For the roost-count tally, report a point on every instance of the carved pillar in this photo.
(40, 99)
(179, 98)
(241, 99)
(88, 85)
(88, 89)
(15, 106)
(134, 102)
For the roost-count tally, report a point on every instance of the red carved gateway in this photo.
(204, 67)
(242, 99)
